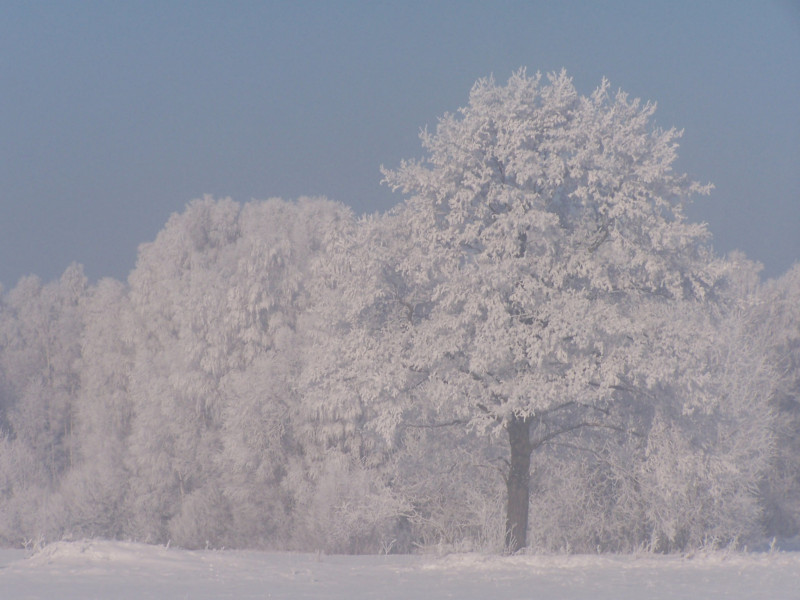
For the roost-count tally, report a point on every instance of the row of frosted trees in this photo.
(535, 349)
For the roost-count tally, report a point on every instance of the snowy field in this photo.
(121, 571)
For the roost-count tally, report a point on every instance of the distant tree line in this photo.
(534, 349)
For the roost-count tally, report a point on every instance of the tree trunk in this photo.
(518, 483)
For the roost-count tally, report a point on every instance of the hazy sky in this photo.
(113, 115)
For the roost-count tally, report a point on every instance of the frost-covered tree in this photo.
(261, 435)
(711, 439)
(217, 299)
(703, 440)
(180, 350)
(526, 282)
(776, 316)
(40, 333)
(95, 492)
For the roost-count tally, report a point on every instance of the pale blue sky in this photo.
(113, 115)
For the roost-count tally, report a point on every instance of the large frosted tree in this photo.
(521, 288)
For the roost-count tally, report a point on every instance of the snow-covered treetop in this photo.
(534, 171)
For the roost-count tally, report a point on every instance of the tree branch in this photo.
(581, 425)
(436, 425)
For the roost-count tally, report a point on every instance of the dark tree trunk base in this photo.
(518, 484)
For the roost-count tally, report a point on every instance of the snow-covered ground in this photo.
(121, 571)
